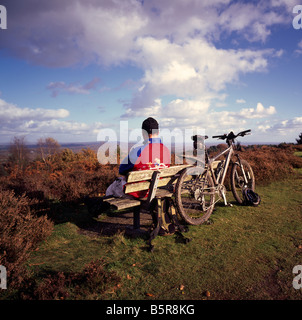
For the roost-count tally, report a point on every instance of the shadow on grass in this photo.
(93, 220)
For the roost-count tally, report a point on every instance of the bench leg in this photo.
(136, 217)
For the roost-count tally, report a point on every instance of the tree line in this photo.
(47, 147)
(20, 153)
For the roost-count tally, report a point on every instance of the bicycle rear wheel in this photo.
(194, 196)
(241, 177)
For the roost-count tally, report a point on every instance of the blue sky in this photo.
(69, 69)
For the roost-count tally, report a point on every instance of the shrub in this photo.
(68, 176)
(21, 231)
(271, 163)
(73, 185)
(298, 147)
(65, 176)
(53, 287)
(94, 280)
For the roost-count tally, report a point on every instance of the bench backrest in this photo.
(141, 180)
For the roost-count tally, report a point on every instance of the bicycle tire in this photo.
(194, 197)
(237, 180)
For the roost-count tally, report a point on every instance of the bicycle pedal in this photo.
(208, 222)
(187, 240)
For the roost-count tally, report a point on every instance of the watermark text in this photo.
(3, 277)
(297, 281)
(297, 21)
(116, 147)
(3, 17)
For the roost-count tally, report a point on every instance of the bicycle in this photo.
(195, 191)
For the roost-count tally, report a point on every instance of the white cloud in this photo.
(287, 4)
(40, 122)
(185, 113)
(61, 87)
(192, 69)
(174, 42)
(10, 112)
(171, 41)
(299, 50)
(255, 19)
(263, 128)
(180, 109)
(259, 112)
(109, 29)
(55, 126)
(61, 33)
(284, 127)
(240, 101)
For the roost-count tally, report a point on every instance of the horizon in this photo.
(79, 67)
(207, 143)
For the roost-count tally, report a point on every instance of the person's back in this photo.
(153, 154)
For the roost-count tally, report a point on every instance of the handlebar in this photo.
(244, 133)
(231, 136)
(198, 140)
(220, 137)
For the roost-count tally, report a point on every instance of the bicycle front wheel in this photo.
(242, 176)
(195, 196)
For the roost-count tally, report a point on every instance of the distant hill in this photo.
(78, 146)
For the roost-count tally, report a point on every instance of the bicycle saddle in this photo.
(198, 141)
(198, 137)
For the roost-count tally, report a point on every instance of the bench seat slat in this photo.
(125, 203)
(122, 203)
(144, 185)
(140, 181)
(135, 176)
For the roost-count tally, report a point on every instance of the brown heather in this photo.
(27, 192)
(20, 232)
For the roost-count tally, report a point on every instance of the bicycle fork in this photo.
(243, 172)
(220, 188)
(222, 193)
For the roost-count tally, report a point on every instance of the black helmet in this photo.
(251, 197)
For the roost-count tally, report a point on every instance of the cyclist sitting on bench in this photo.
(152, 154)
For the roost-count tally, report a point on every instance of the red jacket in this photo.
(151, 155)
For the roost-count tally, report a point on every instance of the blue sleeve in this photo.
(128, 163)
(125, 166)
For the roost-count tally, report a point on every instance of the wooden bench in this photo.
(160, 184)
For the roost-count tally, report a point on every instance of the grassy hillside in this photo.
(245, 253)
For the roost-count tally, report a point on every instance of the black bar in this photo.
(136, 217)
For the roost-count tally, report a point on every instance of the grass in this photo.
(246, 253)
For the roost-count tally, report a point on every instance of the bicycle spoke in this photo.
(242, 177)
(195, 198)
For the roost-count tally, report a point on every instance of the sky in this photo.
(70, 69)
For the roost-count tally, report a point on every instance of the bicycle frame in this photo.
(229, 151)
(219, 180)
(197, 186)
(219, 176)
